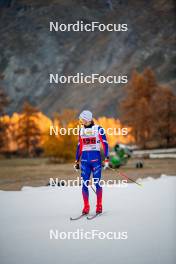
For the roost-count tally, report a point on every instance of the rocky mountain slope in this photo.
(29, 52)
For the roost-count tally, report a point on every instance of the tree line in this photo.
(148, 108)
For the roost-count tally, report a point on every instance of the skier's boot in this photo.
(86, 201)
(98, 209)
(86, 209)
(99, 201)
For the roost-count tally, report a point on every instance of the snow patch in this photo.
(147, 215)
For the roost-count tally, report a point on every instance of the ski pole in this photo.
(125, 176)
(93, 189)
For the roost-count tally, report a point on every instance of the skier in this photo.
(88, 149)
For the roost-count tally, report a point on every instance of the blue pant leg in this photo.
(96, 168)
(85, 175)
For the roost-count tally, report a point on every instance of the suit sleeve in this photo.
(102, 137)
(79, 148)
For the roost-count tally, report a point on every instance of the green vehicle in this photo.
(121, 156)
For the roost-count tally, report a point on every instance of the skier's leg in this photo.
(85, 175)
(96, 167)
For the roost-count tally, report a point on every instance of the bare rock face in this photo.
(29, 52)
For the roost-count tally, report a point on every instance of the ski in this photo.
(93, 216)
(77, 218)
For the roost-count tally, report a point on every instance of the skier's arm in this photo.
(79, 149)
(78, 154)
(104, 142)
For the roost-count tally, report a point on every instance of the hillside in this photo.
(29, 52)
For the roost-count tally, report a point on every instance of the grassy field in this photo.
(16, 173)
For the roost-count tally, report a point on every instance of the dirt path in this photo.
(16, 173)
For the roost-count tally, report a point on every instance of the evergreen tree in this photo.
(164, 117)
(136, 107)
(150, 110)
(28, 132)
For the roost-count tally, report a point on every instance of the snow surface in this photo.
(147, 214)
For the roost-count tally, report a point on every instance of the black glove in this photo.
(76, 165)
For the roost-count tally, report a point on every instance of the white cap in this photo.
(86, 115)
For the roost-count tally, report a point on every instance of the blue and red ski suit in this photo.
(88, 150)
